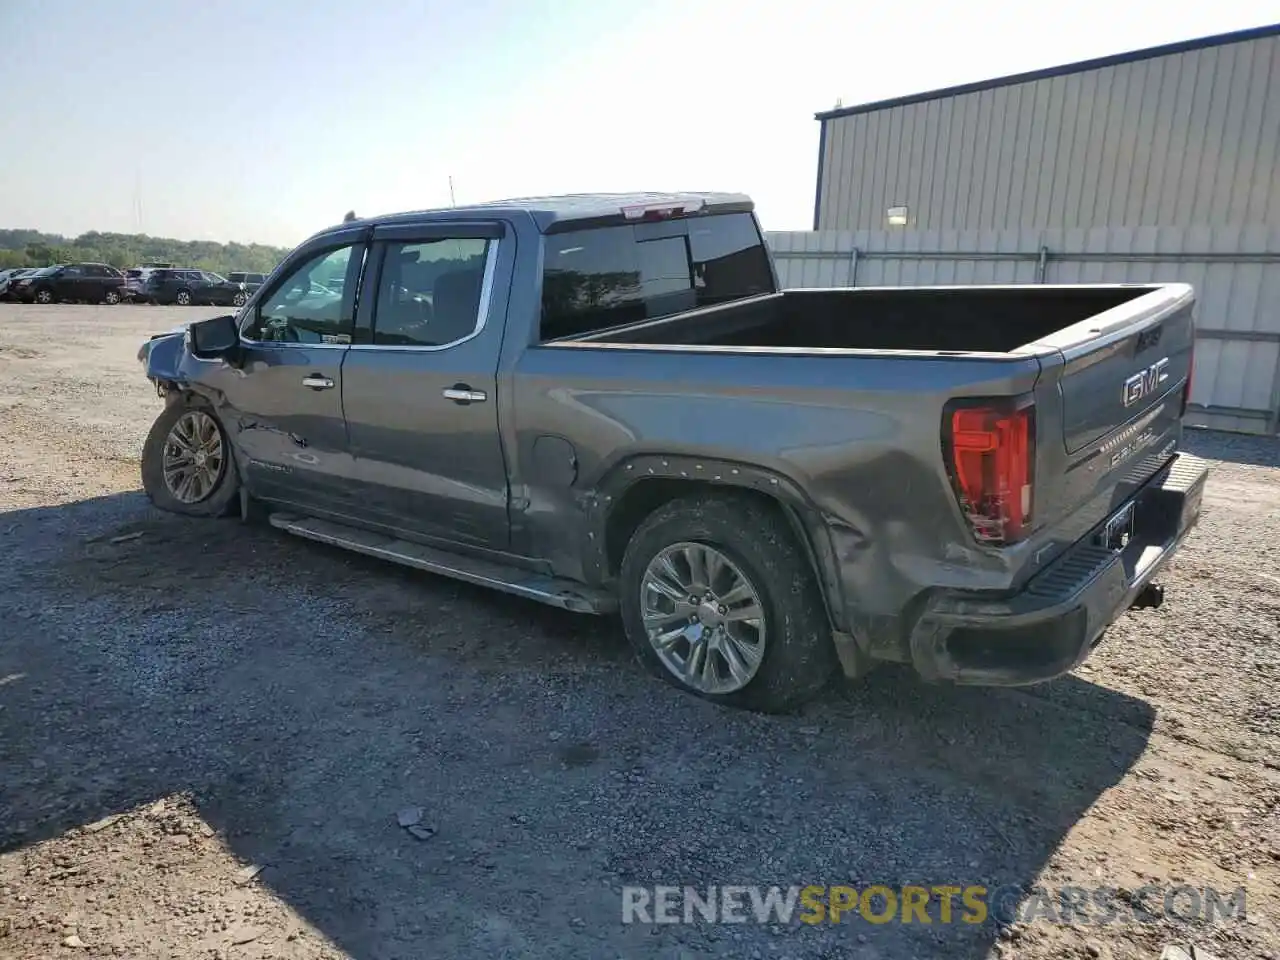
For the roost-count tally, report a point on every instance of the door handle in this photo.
(462, 394)
(317, 382)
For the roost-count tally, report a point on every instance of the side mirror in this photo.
(218, 337)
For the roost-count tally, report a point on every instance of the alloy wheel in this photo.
(194, 459)
(703, 617)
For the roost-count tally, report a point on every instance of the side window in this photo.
(608, 276)
(604, 277)
(305, 306)
(729, 258)
(73, 272)
(429, 292)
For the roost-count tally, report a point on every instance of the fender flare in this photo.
(805, 517)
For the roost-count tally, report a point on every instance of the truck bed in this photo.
(954, 319)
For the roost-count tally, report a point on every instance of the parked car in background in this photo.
(77, 282)
(135, 279)
(10, 276)
(186, 287)
(251, 281)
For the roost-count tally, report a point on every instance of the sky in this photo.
(266, 120)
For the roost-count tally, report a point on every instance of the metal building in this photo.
(1159, 164)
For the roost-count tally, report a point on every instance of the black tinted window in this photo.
(429, 292)
(607, 276)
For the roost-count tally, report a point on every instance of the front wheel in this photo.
(719, 600)
(44, 296)
(239, 299)
(183, 299)
(187, 463)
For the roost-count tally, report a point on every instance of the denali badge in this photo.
(1144, 383)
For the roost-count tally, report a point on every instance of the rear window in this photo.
(607, 276)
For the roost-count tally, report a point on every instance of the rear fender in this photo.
(804, 517)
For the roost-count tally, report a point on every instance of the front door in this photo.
(419, 386)
(285, 397)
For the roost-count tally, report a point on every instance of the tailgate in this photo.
(1126, 363)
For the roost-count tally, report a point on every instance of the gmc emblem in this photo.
(1145, 382)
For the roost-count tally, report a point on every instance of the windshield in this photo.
(46, 271)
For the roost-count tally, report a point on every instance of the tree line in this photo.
(31, 248)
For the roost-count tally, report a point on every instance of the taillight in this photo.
(991, 448)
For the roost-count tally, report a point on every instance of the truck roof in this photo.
(547, 212)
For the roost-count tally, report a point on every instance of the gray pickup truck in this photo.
(605, 403)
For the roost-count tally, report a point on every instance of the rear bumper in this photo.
(1055, 622)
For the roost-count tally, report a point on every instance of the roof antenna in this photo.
(452, 201)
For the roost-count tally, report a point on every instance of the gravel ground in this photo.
(184, 702)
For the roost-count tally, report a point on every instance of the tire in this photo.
(44, 296)
(239, 300)
(221, 496)
(183, 298)
(112, 297)
(795, 657)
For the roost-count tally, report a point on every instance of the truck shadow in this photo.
(301, 696)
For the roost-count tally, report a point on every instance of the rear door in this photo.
(101, 279)
(419, 386)
(287, 400)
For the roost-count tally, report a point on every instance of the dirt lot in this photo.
(182, 703)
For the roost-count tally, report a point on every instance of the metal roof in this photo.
(548, 211)
(1183, 46)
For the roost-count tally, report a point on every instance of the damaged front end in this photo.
(161, 357)
(175, 362)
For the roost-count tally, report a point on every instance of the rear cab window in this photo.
(606, 276)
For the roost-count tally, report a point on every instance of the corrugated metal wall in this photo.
(1186, 139)
(1236, 274)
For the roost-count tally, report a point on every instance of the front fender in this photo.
(162, 357)
(167, 361)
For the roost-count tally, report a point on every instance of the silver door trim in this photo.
(482, 314)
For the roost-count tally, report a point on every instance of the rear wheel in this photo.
(187, 463)
(112, 297)
(239, 299)
(719, 600)
(183, 299)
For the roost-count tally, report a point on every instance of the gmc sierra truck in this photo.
(605, 403)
